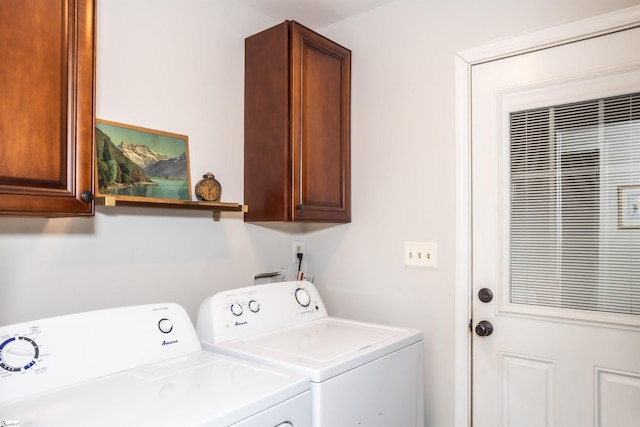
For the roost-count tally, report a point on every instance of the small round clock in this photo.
(208, 188)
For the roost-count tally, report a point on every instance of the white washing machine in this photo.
(135, 367)
(362, 374)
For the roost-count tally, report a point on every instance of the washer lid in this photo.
(325, 341)
(323, 348)
(200, 389)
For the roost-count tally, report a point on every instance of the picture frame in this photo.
(133, 163)
(629, 206)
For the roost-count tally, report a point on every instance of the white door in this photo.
(556, 236)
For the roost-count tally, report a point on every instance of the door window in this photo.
(575, 205)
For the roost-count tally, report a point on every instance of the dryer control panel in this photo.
(44, 354)
(252, 310)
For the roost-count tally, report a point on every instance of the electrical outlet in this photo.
(421, 254)
(298, 247)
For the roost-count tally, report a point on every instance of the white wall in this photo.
(177, 66)
(403, 163)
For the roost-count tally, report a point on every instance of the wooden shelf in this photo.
(215, 207)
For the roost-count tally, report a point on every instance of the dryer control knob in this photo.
(236, 309)
(303, 298)
(165, 325)
(254, 306)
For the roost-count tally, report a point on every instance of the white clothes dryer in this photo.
(361, 373)
(137, 366)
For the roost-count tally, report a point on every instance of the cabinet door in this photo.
(321, 116)
(47, 106)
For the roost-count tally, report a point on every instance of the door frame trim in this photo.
(464, 62)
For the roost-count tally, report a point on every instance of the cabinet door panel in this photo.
(47, 106)
(320, 128)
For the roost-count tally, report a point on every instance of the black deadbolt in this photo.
(485, 295)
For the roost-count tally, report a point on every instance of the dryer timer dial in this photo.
(303, 297)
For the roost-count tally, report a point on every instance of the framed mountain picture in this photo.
(135, 163)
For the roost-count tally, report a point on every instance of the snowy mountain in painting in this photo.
(141, 154)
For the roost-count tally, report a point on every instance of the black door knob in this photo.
(485, 295)
(484, 328)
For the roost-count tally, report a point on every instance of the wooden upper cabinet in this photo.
(47, 63)
(297, 126)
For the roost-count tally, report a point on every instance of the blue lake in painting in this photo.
(166, 189)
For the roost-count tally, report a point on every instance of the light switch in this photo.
(421, 254)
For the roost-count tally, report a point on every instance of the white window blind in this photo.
(575, 205)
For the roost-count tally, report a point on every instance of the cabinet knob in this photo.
(87, 196)
(300, 207)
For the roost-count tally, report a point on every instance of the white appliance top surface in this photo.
(322, 348)
(199, 389)
(46, 354)
(323, 341)
(287, 324)
(131, 366)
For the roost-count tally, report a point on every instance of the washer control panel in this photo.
(243, 312)
(41, 355)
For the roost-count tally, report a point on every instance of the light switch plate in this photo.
(421, 254)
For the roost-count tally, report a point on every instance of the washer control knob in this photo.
(236, 309)
(254, 306)
(165, 325)
(303, 298)
(18, 354)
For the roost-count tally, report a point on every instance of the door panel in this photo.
(545, 364)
